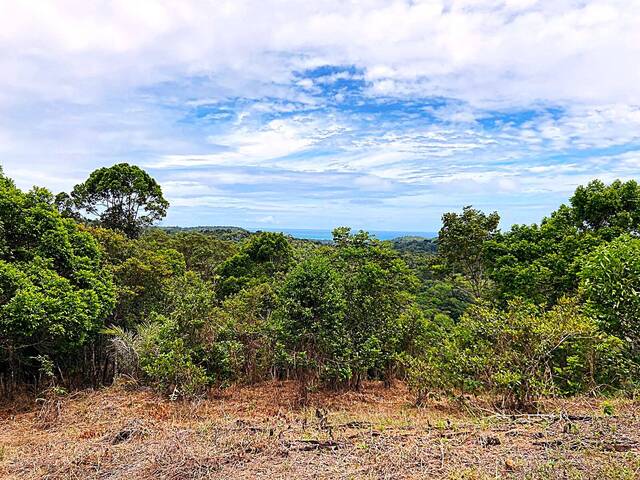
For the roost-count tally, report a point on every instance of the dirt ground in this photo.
(260, 432)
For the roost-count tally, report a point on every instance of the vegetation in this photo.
(55, 294)
(122, 197)
(537, 310)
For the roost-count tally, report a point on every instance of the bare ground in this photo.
(259, 432)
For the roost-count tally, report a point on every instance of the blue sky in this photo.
(374, 114)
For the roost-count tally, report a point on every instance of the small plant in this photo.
(608, 409)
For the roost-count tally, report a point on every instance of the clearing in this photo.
(258, 432)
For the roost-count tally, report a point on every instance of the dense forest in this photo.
(90, 291)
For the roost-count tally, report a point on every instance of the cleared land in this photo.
(259, 432)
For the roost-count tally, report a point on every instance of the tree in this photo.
(344, 310)
(541, 262)
(461, 240)
(611, 209)
(610, 282)
(140, 271)
(538, 262)
(262, 258)
(203, 252)
(54, 292)
(313, 311)
(123, 197)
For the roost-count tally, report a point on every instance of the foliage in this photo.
(342, 308)
(231, 234)
(171, 346)
(54, 293)
(378, 288)
(610, 281)
(203, 252)
(410, 244)
(610, 210)
(313, 310)
(262, 258)
(123, 197)
(487, 312)
(461, 240)
(140, 271)
(244, 338)
(542, 262)
(167, 361)
(521, 353)
(539, 263)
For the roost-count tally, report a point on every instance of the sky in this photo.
(379, 115)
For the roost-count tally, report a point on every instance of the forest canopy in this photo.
(89, 291)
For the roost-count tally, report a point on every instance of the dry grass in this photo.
(258, 432)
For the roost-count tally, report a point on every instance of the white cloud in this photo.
(482, 51)
(213, 94)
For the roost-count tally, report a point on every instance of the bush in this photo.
(313, 316)
(610, 282)
(519, 353)
(167, 359)
(54, 292)
(170, 347)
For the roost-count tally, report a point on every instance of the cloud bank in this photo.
(375, 114)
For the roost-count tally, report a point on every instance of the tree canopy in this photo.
(122, 197)
(461, 240)
(54, 292)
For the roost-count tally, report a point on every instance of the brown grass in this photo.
(258, 432)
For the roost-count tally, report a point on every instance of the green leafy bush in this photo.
(264, 257)
(54, 292)
(610, 281)
(520, 353)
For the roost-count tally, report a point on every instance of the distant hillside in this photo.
(407, 243)
(414, 244)
(220, 232)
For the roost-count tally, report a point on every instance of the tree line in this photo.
(89, 292)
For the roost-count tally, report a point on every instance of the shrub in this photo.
(54, 293)
(610, 282)
(167, 359)
(519, 353)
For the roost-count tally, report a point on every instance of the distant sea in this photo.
(319, 234)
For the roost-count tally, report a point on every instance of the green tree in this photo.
(461, 240)
(538, 262)
(264, 257)
(141, 271)
(244, 338)
(378, 288)
(610, 282)
(610, 210)
(542, 262)
(122, 197)
(203, 252)
(313, 311)
(54, 292)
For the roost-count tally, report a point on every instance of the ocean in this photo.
(319, 234)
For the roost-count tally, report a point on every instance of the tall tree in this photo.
(608, 209)
(542, 262)
(122, 197)
(461, 240)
